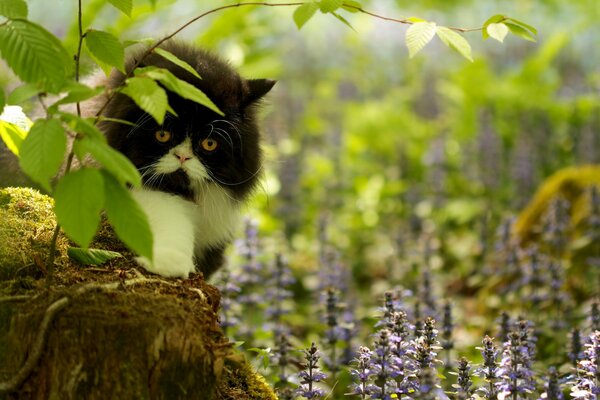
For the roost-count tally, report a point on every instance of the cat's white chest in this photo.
(183, 230)
(216, 217)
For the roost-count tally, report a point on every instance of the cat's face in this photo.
(197, 147)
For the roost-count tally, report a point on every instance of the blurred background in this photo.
(396, 162)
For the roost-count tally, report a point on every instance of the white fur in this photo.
(183, 229)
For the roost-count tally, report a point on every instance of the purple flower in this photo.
(516, 375)
(464, 382)
(362, 373)
(311, 375)
(552, 387)
(587, 381)
(489, 370)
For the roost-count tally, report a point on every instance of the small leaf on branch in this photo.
(343, 20)
(16, 116)
(329, 6)
(455, 41)
(43, 151)
(91, 256)
(177, 61)
(79, 197)
(520, 31)
(124, 5)
(34, 54)
(13, 8)
(305, 12)
(127, 218)
(351, 6)
(178, 86)
(148, 96)
(418, 35)
(523, 25)
(106, 48)
(497, 31)
(113, 161)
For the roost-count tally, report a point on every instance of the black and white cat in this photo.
(198, 167)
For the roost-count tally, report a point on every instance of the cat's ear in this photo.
(257, 88)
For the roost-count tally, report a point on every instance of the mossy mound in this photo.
(120, 333)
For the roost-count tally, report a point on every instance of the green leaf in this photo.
(455, 41)
(415, 19)
(91, 256)
(78, 200)
(12, 136)
(520, 31)
(524, 25)
(34, 54)
(106, 48)
(112, 160)
(13, 8)
(84, 126)
(124, 5)
(494, 19)
(351, 6)
(148, 96)
(497, 31)
(43, 151)
(177, 61)
(305, 12)
(76, 92)
(127, 218)
(418, 35)
(2, 100)
(176, 85)
(14, 126)
(343, 20)
(329, 6)
(22, 93)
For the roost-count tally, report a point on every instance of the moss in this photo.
(241, 382)
(26, 225)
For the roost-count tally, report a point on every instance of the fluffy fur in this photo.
(191, 195)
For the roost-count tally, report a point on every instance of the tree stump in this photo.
(107, 332)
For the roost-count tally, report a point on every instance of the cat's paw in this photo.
(169, 263)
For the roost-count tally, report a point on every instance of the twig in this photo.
(52, 255)
(38, 346)
(255, 4)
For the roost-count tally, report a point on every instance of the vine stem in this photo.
(70, 157)
(254, 4)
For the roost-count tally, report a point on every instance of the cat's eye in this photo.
(163, 136)
(209, 144)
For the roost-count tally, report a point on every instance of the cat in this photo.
(198, 167)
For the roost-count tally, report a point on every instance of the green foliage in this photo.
(105, 48)
(455, 41)
(148, 96)
(127, 218)
(79, 198)
(114, 162)
(92, 256)
(176, 85)
(124, 5)
(13, 8)
(34, 54)
(43, 151)
(304, 13)
(177, 61)
(418, 35)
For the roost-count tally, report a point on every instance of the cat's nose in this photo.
(182, 157)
